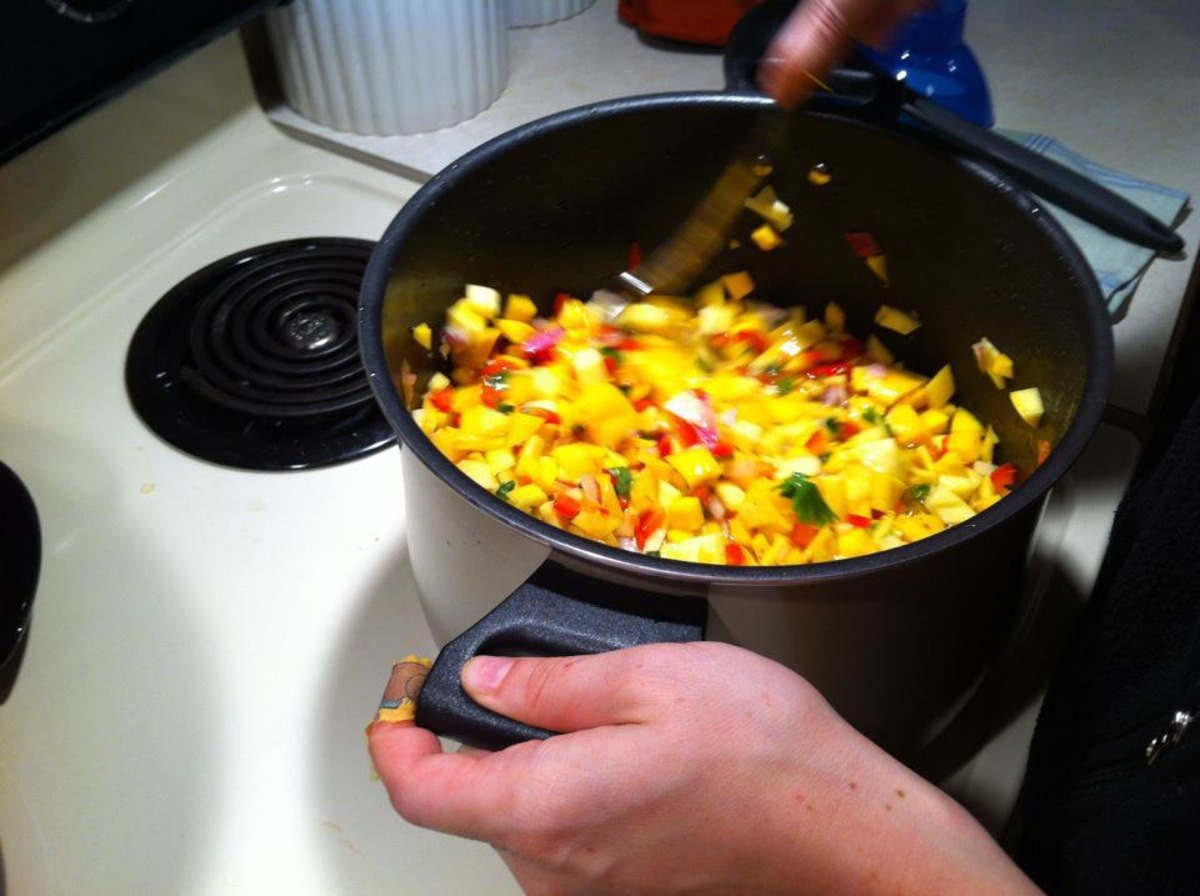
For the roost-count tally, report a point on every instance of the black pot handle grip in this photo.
(555, 613)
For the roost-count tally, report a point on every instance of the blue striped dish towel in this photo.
(1119, 265)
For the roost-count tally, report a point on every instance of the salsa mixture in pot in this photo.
(713, 429)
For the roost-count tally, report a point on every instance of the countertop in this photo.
(1115, 81)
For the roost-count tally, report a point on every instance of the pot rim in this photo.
(1028, 494)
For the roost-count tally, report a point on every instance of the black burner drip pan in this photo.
(252, 362)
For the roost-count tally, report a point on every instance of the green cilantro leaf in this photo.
(806, 500)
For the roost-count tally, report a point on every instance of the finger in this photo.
(811, 42)
(568, 693)
(449, 792)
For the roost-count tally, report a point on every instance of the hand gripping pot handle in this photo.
(555, 613)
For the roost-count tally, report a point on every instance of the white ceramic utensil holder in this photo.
(390, 67)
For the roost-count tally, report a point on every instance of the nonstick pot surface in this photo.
(555, 205)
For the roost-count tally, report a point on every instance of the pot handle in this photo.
(555, 613)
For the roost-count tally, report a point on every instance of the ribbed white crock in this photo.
(390, 67)
(523, 13)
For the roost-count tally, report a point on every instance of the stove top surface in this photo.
(207, 643)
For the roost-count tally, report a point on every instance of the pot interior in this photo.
(555, 206)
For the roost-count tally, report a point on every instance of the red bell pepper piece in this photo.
(441, 400)
(734, 555)
(818, 442)
(803, 534)
(648, 523)
(687, 433)
(492, 378)
(545, 413)
(836, 368)
(1004, 476)
(566, 506)
(862, 522)
(864, 244)
(756, 339)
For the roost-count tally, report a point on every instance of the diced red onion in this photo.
(716, 509)
(542, 342)
(835, 394)
(691, 408)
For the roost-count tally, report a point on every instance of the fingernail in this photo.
(483, 674)
(399, 703)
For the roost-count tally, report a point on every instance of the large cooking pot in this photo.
(893, 639)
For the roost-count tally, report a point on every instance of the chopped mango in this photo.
(940, 388)
(1028, 403)
(896, 320)
(997, 365)
(520, 308)
(423, 336)
(696, 465)
(738, 285)
(610, 418)
(766, 237)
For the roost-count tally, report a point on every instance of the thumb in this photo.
(560, 693)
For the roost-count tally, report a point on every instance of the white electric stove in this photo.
(208, 643)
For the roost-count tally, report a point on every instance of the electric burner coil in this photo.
(252, 362)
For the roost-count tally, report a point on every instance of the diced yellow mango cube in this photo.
(738, 285)
(949, 507)
(520, 307)
(589, 366)
(832, 487)
(696, 465)
(997, 365)
(577, 459)
(607, 414)
(527, 497)
(940, 388)
(483, 299)
(767, 205)
(855, 542)
(514, 330)
(878, 266)
(423, 336)
(935, 421)
(1028, 403)
(480, 420)
(766, 237)
(478, 471)
(499, 460)
(877, 351)
(896, 320)
(685, 512)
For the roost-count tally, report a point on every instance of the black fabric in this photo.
(1095, 817)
